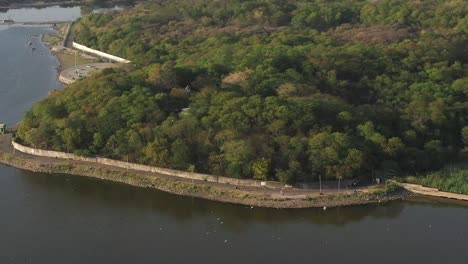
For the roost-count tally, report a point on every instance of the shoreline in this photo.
(71, 60)
(43, 4)
(250, 196)
(65, 55)
(15, 5)
(432, 192)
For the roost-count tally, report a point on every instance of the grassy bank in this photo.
(452, 179)
(228, 194)
(56, 38)
(67, 58)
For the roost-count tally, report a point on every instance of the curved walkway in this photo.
(246, 195)
(72, 74)
(419, 189)
(260, 196)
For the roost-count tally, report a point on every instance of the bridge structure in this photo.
(6, 22)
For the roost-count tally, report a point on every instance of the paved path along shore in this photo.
(255, 196)
(419, 189)
(72, 74)
(6, 147)
(271, 193)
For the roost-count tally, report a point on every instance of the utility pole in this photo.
(339, 183)
(75, 64)
(320, 183)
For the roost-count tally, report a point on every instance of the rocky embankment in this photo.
(252, 196)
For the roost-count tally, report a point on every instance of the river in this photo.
(26, 75)
(45, 14)
(67, 219)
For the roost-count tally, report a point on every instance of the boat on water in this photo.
(6, 21)
(2, 129)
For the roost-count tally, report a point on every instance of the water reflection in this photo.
(185, 209)
(69, 219)
(438, 202)
(44, 14)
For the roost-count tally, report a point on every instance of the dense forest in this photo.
(270, 89)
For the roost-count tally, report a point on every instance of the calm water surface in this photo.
(59, 219)
(26, 75)
(46, 14)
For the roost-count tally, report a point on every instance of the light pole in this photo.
(339, 183)
(320, 183)
(76, 71)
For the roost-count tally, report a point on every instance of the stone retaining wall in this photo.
(99, 53)
(66, 35)
(146, 168)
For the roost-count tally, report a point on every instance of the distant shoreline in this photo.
(46, 4)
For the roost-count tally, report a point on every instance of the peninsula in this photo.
(284, 91)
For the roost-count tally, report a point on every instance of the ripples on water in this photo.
(82, 220)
